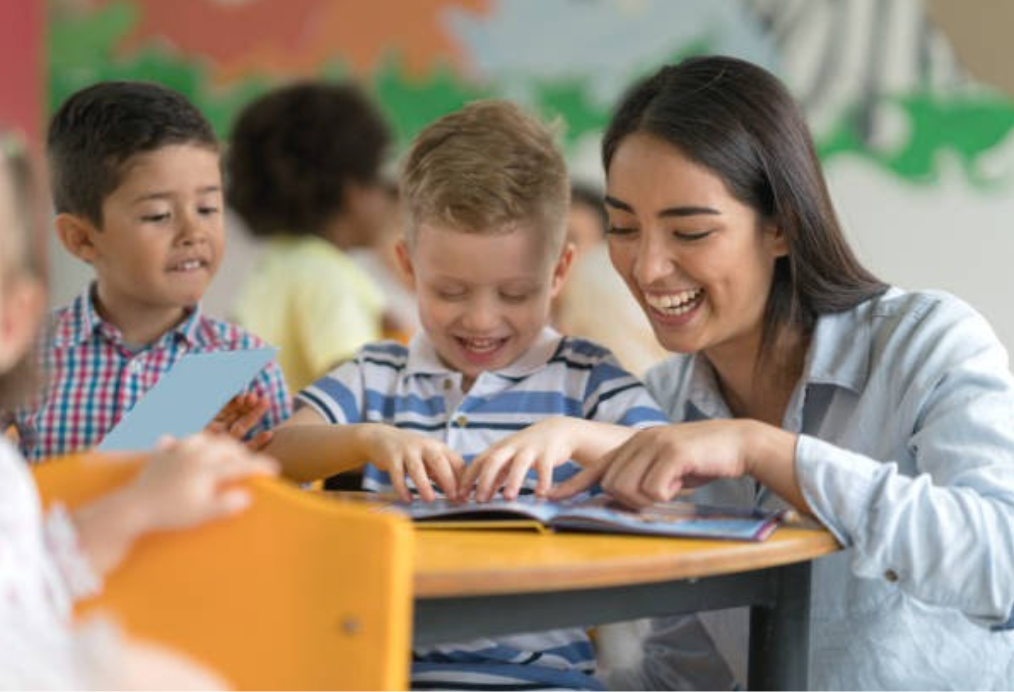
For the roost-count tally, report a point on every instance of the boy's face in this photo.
(483, 299)
(162, 235)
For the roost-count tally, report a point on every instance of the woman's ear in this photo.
(75, 233)
(562, 268)
(777, 243)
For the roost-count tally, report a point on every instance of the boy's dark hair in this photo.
(100, 128)
(294, 151)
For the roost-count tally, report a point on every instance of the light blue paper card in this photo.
(186, 398)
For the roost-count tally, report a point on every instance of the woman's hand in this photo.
(656, 464)
(404, 453)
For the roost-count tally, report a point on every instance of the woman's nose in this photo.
(651, 259)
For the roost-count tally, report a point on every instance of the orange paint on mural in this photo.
(296, 37)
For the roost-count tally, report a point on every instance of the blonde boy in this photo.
(138, 192)
(487, 397)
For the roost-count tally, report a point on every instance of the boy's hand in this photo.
(504, 465)
(191, 481)
(403, 453)
(240, 416)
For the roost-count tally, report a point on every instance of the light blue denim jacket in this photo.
(905, 416)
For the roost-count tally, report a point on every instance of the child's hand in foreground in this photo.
(191, 481)
(185, 483)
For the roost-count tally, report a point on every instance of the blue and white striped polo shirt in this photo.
(411, 388)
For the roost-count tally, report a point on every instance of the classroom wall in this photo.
(905, 97)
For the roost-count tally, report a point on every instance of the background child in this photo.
(138, 192)
(304, 172)
(45, 563)
(486, 196)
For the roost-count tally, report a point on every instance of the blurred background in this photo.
(909, 100)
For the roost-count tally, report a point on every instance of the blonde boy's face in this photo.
(483, 299)
(162, 234)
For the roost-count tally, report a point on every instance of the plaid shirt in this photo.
(93, 378)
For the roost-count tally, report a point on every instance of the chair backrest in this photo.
(300, 591)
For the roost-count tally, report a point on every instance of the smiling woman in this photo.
(800, 378)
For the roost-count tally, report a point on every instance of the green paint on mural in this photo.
(570, 101)
(411, 105)
(964, 128)
(82, 52)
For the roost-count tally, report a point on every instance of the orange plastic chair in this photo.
(298, 592)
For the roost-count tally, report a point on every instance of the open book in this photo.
(599, 514)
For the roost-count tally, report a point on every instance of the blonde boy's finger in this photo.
(490, 473)
(440, 468)
(544, 473)
(516, 473)
(457, 463)
(467, 479)
(416, 470)
(396, 471)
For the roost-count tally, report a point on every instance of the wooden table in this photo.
(485, 583)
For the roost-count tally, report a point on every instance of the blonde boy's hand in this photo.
(240, 416)
(505, 465)
(404, 453)
(191, 481)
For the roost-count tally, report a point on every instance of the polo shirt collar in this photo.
(84, 323)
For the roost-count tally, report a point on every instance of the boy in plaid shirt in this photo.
(137, 188)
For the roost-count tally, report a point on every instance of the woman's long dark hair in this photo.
(739, 121)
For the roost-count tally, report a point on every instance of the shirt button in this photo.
(447, 385)
(891, 576)
(135, 366)
(461, 421)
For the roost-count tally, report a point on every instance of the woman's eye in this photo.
(207, 211)
(690, 237)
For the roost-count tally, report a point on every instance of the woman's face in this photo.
(698, 260)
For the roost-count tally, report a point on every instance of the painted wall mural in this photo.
(918, 152)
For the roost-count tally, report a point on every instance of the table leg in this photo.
(780, 633)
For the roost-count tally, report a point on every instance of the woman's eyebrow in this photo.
(688, 210)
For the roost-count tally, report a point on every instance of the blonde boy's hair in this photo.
(485, 169)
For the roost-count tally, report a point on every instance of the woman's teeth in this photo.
(189, 265)
(674, 303)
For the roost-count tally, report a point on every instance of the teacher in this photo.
(887, 415)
